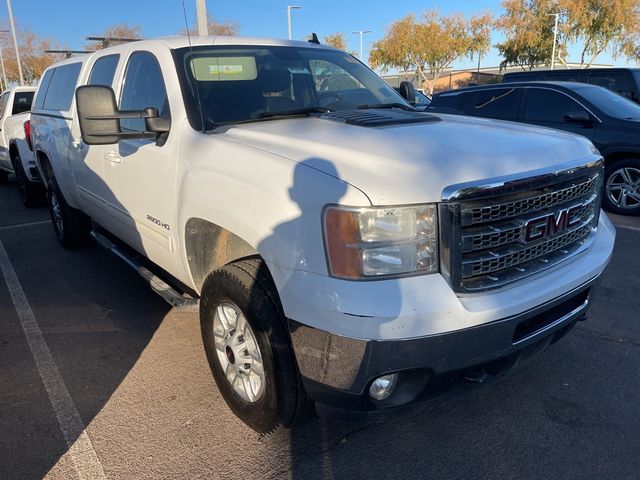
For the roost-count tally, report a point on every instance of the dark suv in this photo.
(625, 81)
(610, 121)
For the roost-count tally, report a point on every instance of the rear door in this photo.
(547, 107)
(89, 165)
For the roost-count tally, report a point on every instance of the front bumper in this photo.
(338, 370)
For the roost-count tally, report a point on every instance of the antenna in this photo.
(186, 24)
(314, 39)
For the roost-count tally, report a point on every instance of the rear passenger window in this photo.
(544, 105)
(62, 87)
(22, 102)
(42, 89)
(143, 88)
(497, 103)
(457, 101)
(103, 70)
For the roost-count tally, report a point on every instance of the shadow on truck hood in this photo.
(413, 163)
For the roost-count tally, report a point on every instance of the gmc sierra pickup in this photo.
(345, 250)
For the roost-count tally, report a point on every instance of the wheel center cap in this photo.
(230, 356)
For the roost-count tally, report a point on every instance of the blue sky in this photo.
(69, 21)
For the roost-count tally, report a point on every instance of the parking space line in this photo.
(81, 451)
(26, 224)
(628, 227)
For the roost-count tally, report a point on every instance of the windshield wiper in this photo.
(297, 111)
(386, 105)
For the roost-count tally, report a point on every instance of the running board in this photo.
(162, 288)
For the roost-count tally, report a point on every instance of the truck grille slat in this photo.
(514, 230)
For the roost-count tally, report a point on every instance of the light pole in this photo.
(4, 73)
(201, 11)
(15, 41)
(361, 33)
(555, 36)
(289, 8)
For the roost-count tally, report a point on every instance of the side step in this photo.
(158, 285)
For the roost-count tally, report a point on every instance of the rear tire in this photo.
(242, 295)
(72, 227)
(32, 194)
(622, 187)
(4, 177)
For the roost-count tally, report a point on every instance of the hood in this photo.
(403, 163)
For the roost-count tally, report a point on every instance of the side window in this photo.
(103, 70)
(22, 102)
(143, 87)
(329, 77)
(500, 103)
(456, 101)
(616, 82)
(4, 98)
(543, 105)
(61, 87)
(42, 89)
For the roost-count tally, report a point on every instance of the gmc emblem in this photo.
(551, 224)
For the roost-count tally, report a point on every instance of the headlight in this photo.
(378, 241)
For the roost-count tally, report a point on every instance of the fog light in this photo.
(383, 386)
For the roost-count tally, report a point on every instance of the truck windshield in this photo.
(239, 84)
(611, 103)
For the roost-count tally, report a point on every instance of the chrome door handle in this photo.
(113, 157)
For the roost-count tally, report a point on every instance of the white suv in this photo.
(344, 248)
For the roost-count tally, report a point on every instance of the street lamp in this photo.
(4, 73)
(15, 41)
(555, 36)
(289, 8)
(361, 33)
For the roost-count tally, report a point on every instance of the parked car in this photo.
(345, 249)
(15, 150)
(610, 121)
(624, 81)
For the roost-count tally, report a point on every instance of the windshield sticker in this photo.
(216, 69)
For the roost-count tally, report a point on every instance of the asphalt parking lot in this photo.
(135, 372)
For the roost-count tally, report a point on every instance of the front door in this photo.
(141, 173)
(547, 107)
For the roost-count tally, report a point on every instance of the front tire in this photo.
(72, 227)
(622, 187)
(248, 347)
(32, 194)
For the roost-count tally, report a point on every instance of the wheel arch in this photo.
(612, 156)
(210, 246)
(44, 165)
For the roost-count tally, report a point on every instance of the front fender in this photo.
(271, 202)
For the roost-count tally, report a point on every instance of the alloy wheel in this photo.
(238, 352)
(623, 188)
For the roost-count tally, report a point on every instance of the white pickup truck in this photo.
(345, 249)
(16, 155)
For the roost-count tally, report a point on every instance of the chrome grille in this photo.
(497, 234)
(523, 206)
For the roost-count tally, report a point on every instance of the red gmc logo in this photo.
(551, 224)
